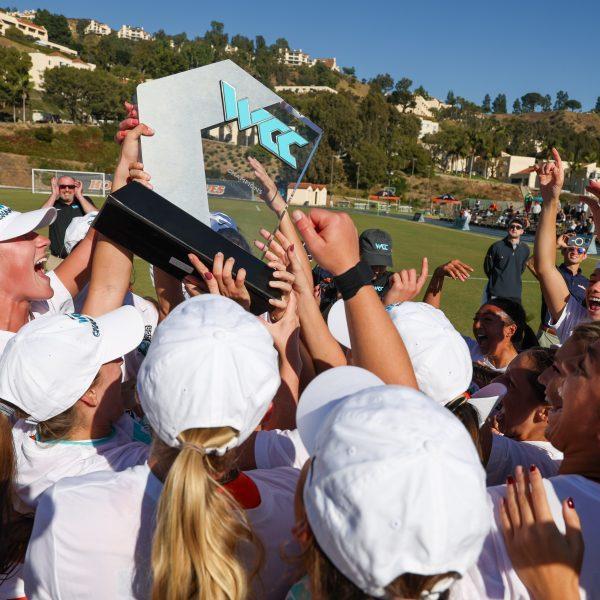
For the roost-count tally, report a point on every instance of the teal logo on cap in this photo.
(85, 319)
(4, 211)
(274, 135)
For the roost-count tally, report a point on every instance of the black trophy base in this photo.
(156, 230)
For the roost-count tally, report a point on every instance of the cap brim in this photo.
(485, 399)
(122, 330)
(338, 326)
(22, 223)
(374, 259)
(323, 394)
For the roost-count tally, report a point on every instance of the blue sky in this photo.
(467, 46)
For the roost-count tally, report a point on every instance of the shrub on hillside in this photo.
(44, 134)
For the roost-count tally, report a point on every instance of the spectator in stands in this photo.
(536, 209)
(505, 262)
(376, 251)
(570, 269)
(69, 202)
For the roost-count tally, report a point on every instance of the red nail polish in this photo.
(208, 275)
(570, 502)
(510, 480)
(291, 247)
(532, 468)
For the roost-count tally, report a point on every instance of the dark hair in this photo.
(524, 337)
(468, 415)
(233, 235)
(542, 358)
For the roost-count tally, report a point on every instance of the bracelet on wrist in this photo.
(353, 279)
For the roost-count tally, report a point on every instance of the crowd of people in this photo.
(347, 444)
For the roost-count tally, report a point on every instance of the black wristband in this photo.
(353, 279)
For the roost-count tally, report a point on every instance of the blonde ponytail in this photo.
(200, 527)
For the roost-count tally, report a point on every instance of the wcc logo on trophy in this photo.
(207, 122)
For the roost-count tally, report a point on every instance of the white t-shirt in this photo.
(60, 303)
(478, 357)
(494, 577)
(572, 315)
(279, 448)
(42, 464)
(507, 454)
(92, 536)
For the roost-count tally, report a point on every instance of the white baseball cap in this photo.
(324, 393)
(14, 224)
(51, 361)
(396, 486)
(210, 364)
(77, 230)
(439, 354)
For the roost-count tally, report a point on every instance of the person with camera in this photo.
(573, 249)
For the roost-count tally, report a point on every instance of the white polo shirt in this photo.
(92, 536)
(572, 315)
(507, 454)
(494, 576)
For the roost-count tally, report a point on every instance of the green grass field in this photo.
(412, 241)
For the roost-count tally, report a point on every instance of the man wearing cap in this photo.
(69, 202)
(376, 251)
(505, 263)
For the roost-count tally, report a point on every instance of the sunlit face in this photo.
(66, 189)
(22, 261)
(592, 296)
(572, 255)
(523, 396)
(515, 231)
(492, 326)
(574, 418)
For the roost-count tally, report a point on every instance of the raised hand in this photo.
(455, 269)
(270, 194)
(54, 186)
(130, 148)
(137, 173)
(230, 286)
(276, 246)
(78, 189)
(406, 285)
(331, 238)
(551, 176)
(127, 124)
(547, 562)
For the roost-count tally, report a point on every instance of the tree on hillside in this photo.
(499, 104)
(517, 110)
(14, 78)
(372, 161)
(402, 96)
(281, 43)
(597, 107)
(350, 71)
(57, 27)
(450, 98)
(530, 101)
(243, 43)
(156, 59)
(486, 105)
(546, 104)
(572, 104)
(382, 82)
(421, 91)
(216, 35)
(561, 98)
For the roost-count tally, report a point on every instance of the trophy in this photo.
(207, 122)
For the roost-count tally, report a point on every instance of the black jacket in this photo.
(504, 266)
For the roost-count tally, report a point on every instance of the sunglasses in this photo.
(67, 187)
(517, 227)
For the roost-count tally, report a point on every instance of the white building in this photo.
(229, 49)
(304, 89)
(28, 14)
(57, 47)
(97, 28)
(41, 62)
(330, 63)
(428, 127)
(133, 33)
(424, 108)
(307, 194)
(24, 26)
(294, 58)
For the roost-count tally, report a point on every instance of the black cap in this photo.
(518, 221)
(376, 247)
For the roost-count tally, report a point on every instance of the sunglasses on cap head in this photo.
(64, 186)
(515, 226)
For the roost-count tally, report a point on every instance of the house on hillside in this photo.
(304, 89)
(26, 27)
(96, 28)
(133, 33)
(41, 62)
(307, 194)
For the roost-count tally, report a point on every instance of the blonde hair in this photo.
(589, 333)
(200, 526)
